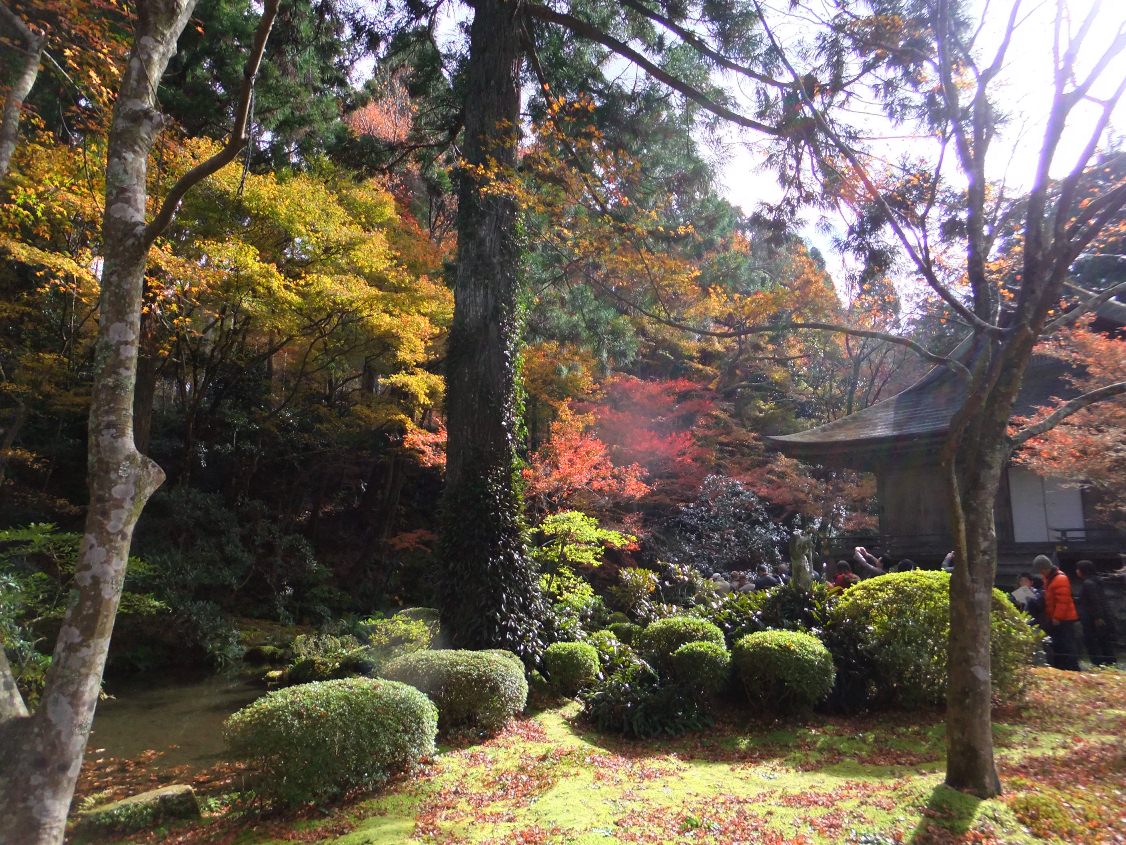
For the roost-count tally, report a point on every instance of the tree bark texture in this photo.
(40, 768)
(489, 591)
(977, 451)
(23, 51)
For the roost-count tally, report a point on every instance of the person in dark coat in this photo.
(1095, 616)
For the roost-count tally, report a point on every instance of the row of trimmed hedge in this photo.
(881, 643)
(317, 740)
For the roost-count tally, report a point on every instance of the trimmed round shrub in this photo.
(701, 666)
(473, 689)
(626, 632)
(784, 671)
(571, 666)
(901, 623)
(315, 741)
(511, 656)
(658, 641)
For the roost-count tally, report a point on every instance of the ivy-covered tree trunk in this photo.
(43, 752)
(489, 591)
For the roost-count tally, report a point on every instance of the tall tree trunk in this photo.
(44, 751)
(975, 455)
(969, 731)
(21, 67)
(489, 590)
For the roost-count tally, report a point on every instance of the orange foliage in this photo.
(573, 469)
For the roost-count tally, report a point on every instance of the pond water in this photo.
(184, 720)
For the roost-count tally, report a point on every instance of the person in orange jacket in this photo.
(1060, 613)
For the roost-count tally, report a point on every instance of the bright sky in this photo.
(1027, 83)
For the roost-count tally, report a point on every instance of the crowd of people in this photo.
(1047, 597)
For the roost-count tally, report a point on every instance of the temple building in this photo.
(900, 439)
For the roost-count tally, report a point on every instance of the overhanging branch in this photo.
(1066, 410)
(588, 30)
(238, 136)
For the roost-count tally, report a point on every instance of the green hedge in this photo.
(899, 625)
(473, 689)
(703, 667)
(664, 636)
(315, 741)
(784, 671)
(571, 666)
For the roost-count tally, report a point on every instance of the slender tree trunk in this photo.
(21, 66)
(44, 752)
(969, 731)
(975, 456)
(490, 595)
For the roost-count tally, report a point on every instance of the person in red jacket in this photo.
(1060, 613)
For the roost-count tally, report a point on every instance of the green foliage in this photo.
(386, 639)
(783, 671)
(701, 666)
(902, 622)
(505, 654)
(315, 741)
(627, 632)
(634, 589)
(571, 667)
(634, 703)
(613, 654)
(575, 608)
(37, 564)
(658, 642)
(794, 609)
(736, 614)
(471, 688)
(571, 538)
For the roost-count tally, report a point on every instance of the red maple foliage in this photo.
(653, 423)
(574, 469)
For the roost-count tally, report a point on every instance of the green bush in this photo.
(736, 614)
(625, 631)
(902, 621)
(613, 654)
(701, 666)
(634, 703)
(510, 656)
(657, 642)
(791, 608)
(571, 666)
(471, 688)
(316, 741)
(784, 670)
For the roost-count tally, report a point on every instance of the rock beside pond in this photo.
(138, 812)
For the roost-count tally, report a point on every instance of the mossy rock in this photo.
(138, 812)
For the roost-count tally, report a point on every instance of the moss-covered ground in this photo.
(872, 779)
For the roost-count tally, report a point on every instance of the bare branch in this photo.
(925, 270)
(239, 134)
(1093, 301)
(1066, 410)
